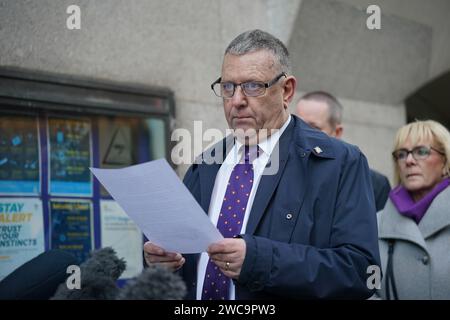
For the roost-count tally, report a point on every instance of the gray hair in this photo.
(255, 40)
(334, 106)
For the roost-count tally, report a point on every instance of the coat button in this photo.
(289, 216)
(425, 260)
(303, 154)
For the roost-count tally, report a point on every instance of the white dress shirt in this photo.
(223, 175)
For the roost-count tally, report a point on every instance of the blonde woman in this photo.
(414, 227)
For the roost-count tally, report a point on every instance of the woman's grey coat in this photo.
(421, 258)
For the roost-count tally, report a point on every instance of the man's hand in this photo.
(228, 255)
(157, 255)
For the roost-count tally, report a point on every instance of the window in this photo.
(52, 129)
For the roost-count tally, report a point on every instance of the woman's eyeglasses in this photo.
(418, 153)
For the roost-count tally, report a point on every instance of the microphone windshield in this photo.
(154, 283)
(98, 278)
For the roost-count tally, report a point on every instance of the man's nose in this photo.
(239, 98)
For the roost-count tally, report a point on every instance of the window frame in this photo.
(43, 95)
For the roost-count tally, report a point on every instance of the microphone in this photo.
(98, 278)
(38, 278)
(154, 283)
(44, 277)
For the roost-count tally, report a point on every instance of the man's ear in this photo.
(289, 90)
(339, 131)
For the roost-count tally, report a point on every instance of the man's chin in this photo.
(249, 135)
(242, 132)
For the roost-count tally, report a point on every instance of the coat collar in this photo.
(312, 140)
(297, 143)
(392, 225)
(437, 216)
(298, 138)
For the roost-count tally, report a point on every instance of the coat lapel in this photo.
(393, 225)
(437, 216)
(269, 182)
(299, 141)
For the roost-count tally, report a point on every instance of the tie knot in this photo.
(251, 153)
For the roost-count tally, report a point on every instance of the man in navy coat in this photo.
(308, 226)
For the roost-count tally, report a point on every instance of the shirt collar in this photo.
(268, 144)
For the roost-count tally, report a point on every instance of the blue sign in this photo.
(19, 155)
(70, 157)
(71, 227)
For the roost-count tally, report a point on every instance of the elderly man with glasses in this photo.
(295, 206)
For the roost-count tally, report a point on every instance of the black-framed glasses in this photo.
(250, 88)
(418, 153)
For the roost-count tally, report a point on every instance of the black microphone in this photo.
(38, 278)
(97, 279)
(154, 283)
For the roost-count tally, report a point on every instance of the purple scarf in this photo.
(415, 210)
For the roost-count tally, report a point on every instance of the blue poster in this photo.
(19, 155)
(71, 227)
(69, 157)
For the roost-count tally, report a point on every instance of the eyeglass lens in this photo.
(418, 153)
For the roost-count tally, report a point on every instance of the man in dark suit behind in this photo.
(323, 111)
(300, 222)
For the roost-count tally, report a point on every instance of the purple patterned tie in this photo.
(216, 285)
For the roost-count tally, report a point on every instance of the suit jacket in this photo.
(421, 259)
(312, 229)
(381, 189)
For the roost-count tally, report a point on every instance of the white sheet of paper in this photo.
(161, 205)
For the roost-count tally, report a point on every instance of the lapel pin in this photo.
(318, 150)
